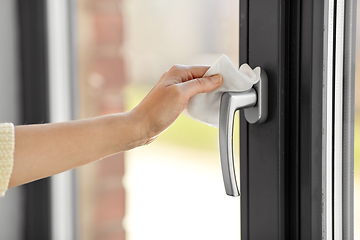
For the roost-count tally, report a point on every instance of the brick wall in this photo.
(102, 77)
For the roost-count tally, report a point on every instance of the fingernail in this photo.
(216, 78)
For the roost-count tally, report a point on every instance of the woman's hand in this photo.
(46, 149)
(170, 96)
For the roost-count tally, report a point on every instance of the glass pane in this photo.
(171, 189)
(357, 134)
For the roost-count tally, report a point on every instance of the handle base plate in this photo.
(259, 113)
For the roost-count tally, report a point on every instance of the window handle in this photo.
(255, 105)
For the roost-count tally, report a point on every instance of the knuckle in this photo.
(201, 81)
(175, 68)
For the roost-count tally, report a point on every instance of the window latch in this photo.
(255, 105)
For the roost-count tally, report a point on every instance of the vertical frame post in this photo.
(34, 92)
(46, 30)
(348, 120)
(61, 77)
(262, 43)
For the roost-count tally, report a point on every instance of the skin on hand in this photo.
(46, 149)
(170, 96)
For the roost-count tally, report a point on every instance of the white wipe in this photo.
(205, 107)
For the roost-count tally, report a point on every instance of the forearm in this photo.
(47, 149)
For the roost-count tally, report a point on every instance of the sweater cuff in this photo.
(7, 145)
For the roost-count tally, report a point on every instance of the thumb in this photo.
(201, 85)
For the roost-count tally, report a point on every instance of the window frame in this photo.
(50, 203)
(284, 185)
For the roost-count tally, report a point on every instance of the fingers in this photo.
(185, 73)
(200, 85)
(189, 79)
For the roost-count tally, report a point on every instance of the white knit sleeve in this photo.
(7, 145)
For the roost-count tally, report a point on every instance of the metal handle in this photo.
(254, 102)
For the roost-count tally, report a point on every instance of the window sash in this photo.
(285, 190)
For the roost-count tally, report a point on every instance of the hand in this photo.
(170, 96)
(63, 146)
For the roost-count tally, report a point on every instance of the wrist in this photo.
(139, 118)
(137, 129)
(132, 130)
(119, 132)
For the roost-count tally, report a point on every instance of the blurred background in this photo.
(171, 189)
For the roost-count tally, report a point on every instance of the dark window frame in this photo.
(281, 160)
(34, 42)
(35, 107)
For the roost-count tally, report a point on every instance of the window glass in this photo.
(172, 188)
